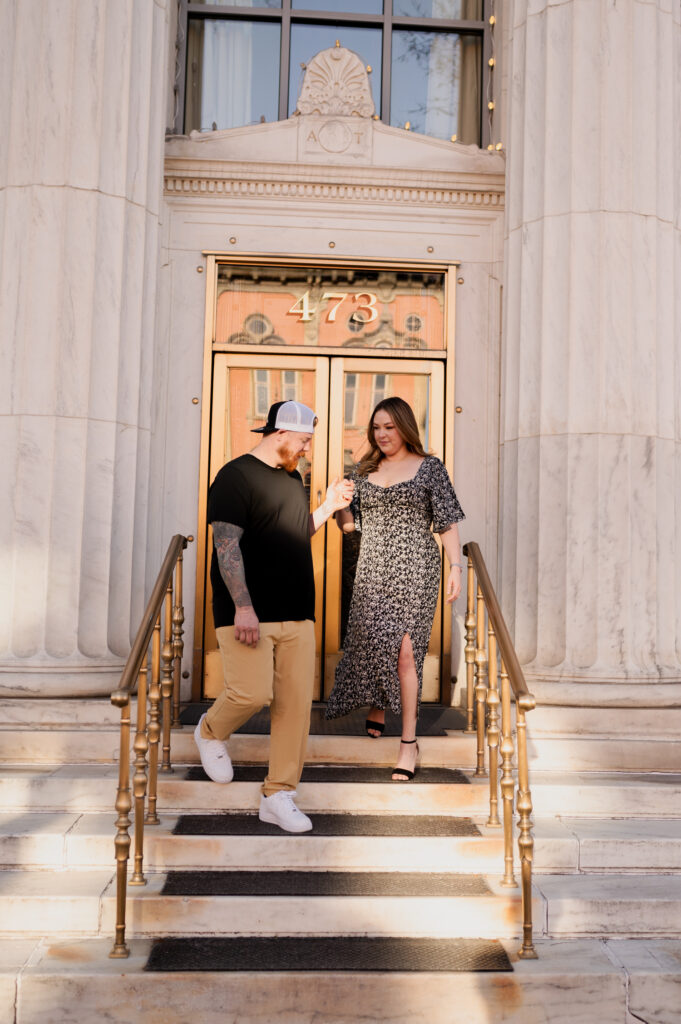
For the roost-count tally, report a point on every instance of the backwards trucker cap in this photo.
(289, 416)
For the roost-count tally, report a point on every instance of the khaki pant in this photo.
(278, 672)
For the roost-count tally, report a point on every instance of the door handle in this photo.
(319, 498)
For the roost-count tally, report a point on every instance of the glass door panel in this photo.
(244, 387)
(357, 385)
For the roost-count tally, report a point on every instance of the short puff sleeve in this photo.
(444, 502)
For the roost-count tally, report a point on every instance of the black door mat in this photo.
(323, 883)
(401, 825)
(434, 720)
(339, 773)
(354, 953)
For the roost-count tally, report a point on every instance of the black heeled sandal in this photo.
(406, 774)
(376, 726)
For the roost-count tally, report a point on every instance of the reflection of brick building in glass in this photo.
(335, 309)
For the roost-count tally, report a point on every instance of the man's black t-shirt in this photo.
(271, 507)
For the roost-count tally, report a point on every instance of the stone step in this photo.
(93, 744)
(71, 901)
(84, 902)
(611, 982)
(92, 788)
(613, 904)
(579, 845)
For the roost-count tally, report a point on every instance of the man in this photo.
(263, 604)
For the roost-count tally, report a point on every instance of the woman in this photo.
(400, 492)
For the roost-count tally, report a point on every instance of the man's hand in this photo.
(246, 626)
(338, 496)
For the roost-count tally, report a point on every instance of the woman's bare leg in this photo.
(409, 688)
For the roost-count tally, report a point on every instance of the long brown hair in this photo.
(402, 416)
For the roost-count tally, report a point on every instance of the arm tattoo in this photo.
(226, 537)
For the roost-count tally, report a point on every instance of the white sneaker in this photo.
(214, 757)
(279, 809)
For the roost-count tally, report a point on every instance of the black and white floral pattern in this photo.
(396, 584)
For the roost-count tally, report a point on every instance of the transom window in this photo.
(243, 62)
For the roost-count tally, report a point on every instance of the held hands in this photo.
(246, 626)
(339, 495)
(453, 583)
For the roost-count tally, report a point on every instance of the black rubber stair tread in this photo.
(323, 883)
(402, 825)
(434, 720)
(356, 953)
(340, 773)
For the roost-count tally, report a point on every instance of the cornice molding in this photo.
(182, 180)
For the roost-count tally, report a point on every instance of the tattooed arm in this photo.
(226, 537)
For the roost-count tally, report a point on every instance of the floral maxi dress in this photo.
(396, 584)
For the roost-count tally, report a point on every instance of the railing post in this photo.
(122, 840)
(507, 784)
(139, 781)
(152, 817)
(167, 676)
(480, 682)
(525, 840)
(493, 728)
(178, 643)
(470, 646)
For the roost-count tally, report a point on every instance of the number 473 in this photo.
(365, 313)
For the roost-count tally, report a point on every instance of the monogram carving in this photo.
(336, 82)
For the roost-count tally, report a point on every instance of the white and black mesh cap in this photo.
(289, 416)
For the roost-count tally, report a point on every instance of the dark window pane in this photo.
(341, 6)
(240, 3)
(467, 10)
(436, 84)
(308, 40)
(226, 86)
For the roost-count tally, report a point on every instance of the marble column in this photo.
(82, 126)
(590, 517)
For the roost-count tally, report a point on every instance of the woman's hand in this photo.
(453, 584)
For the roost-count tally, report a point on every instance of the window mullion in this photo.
(284, 71)
(387, 60)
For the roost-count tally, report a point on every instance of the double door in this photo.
(343, 392)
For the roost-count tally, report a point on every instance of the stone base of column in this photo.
(55, 679)
(644, 691)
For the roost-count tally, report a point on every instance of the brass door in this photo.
(357, 385)
(342, 391)
(244, 387)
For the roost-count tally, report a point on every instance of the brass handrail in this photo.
(492, 672)
(157, 677)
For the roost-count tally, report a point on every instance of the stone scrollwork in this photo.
(336, 83)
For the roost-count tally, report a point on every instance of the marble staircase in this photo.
(607, 893)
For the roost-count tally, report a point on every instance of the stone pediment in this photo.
(334, 140)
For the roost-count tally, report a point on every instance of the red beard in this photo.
(289, 459)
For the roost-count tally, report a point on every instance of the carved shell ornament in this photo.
(336, 82)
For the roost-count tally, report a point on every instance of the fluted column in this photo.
(82, 125)
(591, 420)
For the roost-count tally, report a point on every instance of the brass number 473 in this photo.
(366, 312)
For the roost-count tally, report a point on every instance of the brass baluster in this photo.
(139, 781)
(480, 682)
(493, 728)
(152, 817)
(178, 644)
(122, 840)
(470, 646)
(167, 676)
(507, 783)
(525, 841)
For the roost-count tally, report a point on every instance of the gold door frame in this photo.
(446, 356)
